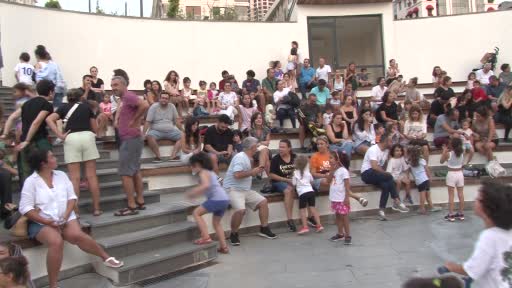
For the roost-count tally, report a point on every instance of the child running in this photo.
(217, 200)
(454, 178)
(489, 266)
(400, 171)
(302, 179)
(339, 192)
(421, 172)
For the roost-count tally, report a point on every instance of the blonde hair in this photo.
(301, 162)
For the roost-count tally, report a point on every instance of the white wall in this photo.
(456, 43)
(145, 48)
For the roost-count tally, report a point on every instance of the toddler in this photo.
(418, 167)
(237, 141)
(202, 93)
(302, 179)
(200, 109)
(217, 200)
(339, 191)
(106, 106)
(24, 71)
(335, 101)
(471, 80)
(455, 177)
(394, 132)
(467, 138)
(186, 93)
(399, 169)
(212, 97)
(327, 116)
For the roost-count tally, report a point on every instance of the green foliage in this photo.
(98, 8)
(174, 9)
(52, 4)
(224, 13)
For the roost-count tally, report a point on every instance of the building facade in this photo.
(208, 9)
(404, 9)
(259, 8)
(26, 2)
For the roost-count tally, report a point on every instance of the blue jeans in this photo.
(303, 88)
(385, 182)
(346, 148)
(284, 113)
(57, 99)
(279, 186)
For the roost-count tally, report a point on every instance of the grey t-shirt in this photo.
(439, 130)
(162, 118)
(240, 162)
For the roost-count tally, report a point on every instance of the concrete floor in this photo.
(383, 254)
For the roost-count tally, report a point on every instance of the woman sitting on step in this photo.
(48, 200)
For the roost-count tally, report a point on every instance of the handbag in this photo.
(470, 171)
(17, 224)
(494, 169)
(68, 115)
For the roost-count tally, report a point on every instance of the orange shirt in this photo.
(319, 163)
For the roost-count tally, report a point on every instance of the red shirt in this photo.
(478, 93)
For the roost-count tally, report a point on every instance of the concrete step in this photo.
(110, 188)
(155, 215)
(124, 245)
(114, 202)
(158, 262)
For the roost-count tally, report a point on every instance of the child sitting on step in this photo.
(217, 200)
(302, 180)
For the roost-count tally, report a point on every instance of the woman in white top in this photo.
(415, 130)
(47, 200)
(228, 101)
(364, 133)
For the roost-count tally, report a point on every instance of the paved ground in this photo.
(383, 254)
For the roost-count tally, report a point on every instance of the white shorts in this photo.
(241, 199)
(455, 179)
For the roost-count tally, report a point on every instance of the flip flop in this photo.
(112, 262)
(97, 213)
(140, 206)
(223, 250)
(126, 212)
(203, 241)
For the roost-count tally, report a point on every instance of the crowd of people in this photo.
(391, 137)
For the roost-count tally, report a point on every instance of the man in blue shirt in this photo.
(322, 93)
(306, 78)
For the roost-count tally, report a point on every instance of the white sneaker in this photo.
(400, 208)
(382, 215)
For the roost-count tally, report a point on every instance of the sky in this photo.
(108, 6)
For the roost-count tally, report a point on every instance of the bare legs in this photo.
(486, 149)
(133, 184)
(288, 202)
(198, 213)
(343, 224)
(153, 146)
(94, 188)
(451, 199)
(74, 176)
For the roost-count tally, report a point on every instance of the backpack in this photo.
(294, 100)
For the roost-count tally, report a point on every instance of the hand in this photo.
(257, 170)
(445, 149)
(21, 146)
(451, 266)
(52, 224)
(63, 136)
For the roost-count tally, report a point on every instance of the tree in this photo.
(174, 9)
(53, 4)
(98, 8)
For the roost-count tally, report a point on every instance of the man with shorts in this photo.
(161, 123)
(131, 111)
(218, 142)
(238, 182)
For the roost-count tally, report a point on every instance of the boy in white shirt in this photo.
(24, 70)
(491, 262)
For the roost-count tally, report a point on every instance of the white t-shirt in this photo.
(397, 166)
(468, 132)
(483, 77)
(327, 118)
(227, 99)
(489, 260)
(374, 154)
(337, 189)
(419, 172)
(280, 94)
(24, 72)
(302, 183)
(323, 73)
(378, 92)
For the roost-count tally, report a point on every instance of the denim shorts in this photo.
(33, 229)
(173, 135)
(217, 207)
(279, 186)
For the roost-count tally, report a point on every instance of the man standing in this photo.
(306, 78)
(238, 183)
(130, 113)
(322, 92)
(483, 74)
(269, 84)
(312, 118)
(218, 142)
(161, 123)
(373, 173)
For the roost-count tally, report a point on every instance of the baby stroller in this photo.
(312, 128)
(490, 57)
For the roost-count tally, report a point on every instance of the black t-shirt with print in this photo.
(281, 168)
(29, 112)
(79, 121)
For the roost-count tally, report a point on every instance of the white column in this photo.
(449, 8)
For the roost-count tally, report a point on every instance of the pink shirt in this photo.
(128, 110)
(106, 107)
(246, 114)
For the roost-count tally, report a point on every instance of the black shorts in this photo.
(307, 199)
(425, 186)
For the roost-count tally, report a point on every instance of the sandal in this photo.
(112, 262)
(202, 241)
(223, 250)
(140, 206)
(126, 212)
(176, 158)
(11, 207)
(97, 213)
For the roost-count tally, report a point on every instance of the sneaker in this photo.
(303, 231)
(449, 217)
(435, 209)
(265, 232)
(408, 200)
(157, 160)
(233, 238)
(291, 226)
(336, 238)
(363, 202)
(382, 215)
(319, 228)
(348, 240)
(400, 208)
(459, 216)
(311, 222)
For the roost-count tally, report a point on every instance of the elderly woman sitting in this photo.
(48, 199)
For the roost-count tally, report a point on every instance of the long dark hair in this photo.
(168, 77)
(157, 93)
(457, 146)
(254, 117)
(360, 120)
(414, 153)
(189, 122)
(203, 160)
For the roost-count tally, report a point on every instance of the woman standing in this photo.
(172, 87)
(484, 133)
(47, 69)
(364, 133)
(97, 84)
(504, 115)
(415, 130)
(190, 140)
(338, 135)
(79, 143)
(388, 110)
(262, 133)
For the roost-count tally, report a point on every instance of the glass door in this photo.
(322, 40)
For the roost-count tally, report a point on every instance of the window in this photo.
(441, 7)
(460, 6)
(480, 5)
(193, 12)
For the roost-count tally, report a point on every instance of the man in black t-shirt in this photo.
(218, 142)
(437, 107)
(313, 115)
